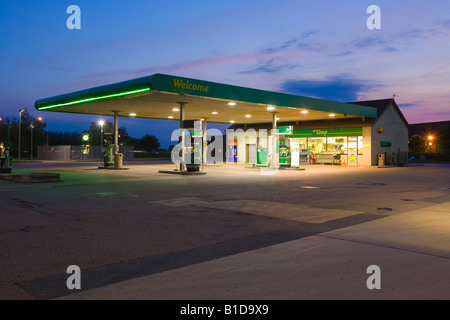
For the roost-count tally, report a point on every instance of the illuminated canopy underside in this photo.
(155, 96)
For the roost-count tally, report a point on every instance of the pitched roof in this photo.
(381, 106)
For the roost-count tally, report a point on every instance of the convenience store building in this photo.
(311, 131)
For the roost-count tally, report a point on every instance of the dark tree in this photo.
(150, 143)
(417, 144)
(442, 138)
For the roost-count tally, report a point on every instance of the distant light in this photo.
(85, 137)
(431, 143)
(248, 115)
(132, 114)
(170, 117)
(332, 115)
(278, 119)
(304, 111)
(175, 109)
(232, 121)
(39, 119)
(430, 138)
(214, 112)
(232, 104)
(270, 108)
(101, 123)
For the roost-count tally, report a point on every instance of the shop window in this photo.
(317, 145)
(337, 145)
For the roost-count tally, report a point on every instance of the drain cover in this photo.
(110, 195)
(371, 183)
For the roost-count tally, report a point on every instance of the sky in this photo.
(320, 48)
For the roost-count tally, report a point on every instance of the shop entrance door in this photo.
(352, 151)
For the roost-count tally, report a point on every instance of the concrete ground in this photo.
(234, 233)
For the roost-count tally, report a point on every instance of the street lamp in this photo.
(20, 121)
(40, 119)
(430, 138)
(101, 123)
(31, 152)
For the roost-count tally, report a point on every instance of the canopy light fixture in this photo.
(232, 121)
(132, 114)
(248, 115)
(304, 112)
(332, 115)
(214, 112)
(175, 109)
(270, 108)
(95, 99)
(232, 104)
(170, 117)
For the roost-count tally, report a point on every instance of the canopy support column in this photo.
(116, 132)
(182, 137)
(275, 155)
(205, 141)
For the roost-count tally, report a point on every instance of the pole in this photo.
(182, 137)
(116, 132)
(274, 141)
(47, 134)
(205, 141)
(20, 129)
(31, 152)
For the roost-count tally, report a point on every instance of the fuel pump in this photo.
(5, 157)
(108, 156)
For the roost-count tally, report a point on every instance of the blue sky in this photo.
(316, 48)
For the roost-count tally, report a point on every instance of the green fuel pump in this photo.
(5, 157)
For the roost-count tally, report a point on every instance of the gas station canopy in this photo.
(158, 97)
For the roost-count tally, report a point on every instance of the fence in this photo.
(79, 153)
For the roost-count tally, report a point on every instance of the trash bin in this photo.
(118, 160)
(381, 160)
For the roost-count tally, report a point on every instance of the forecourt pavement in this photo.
(235, 233)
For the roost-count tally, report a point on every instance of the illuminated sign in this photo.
(181, 84)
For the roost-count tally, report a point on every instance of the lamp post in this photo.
(31, 150)
(40, 119)
(101, 123)
(20, 122)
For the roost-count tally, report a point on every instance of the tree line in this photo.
(34, 132)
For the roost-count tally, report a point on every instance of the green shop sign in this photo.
(329, 132)
(285, 130)
(386, 144)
